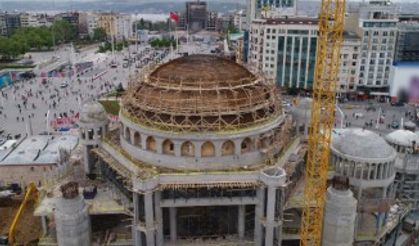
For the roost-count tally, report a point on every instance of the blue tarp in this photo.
(5, 80)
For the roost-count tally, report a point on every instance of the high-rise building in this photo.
(407, 45)
(376, 23)
(284, 49)
(9, 22)
(349, 65)
(196, 15)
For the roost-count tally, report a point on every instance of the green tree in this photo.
(64, 31)
(99, 34)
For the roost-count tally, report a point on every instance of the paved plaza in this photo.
(32, 99)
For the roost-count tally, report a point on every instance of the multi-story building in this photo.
(83, 25)
(349, 65)
(9, 22)
(240, 20)
(117, 25)
(376, 23)
(256, 8)
(35, 20)
(284, 49)
(91, 20)
(196, 15)
(212, 21)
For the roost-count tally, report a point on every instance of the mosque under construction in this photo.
(203, 153)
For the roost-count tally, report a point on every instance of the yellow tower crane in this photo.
(329, 42)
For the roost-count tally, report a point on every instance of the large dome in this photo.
(356, 143)
(201, 93)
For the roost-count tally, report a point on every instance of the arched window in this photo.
(128, 135)
(187, 149)
(227, 148)
(90, 134)
(168, 147)
(207, 149)
(137, 139)
(246, 145)
(151, 144)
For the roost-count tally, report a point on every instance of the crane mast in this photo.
(329, 41)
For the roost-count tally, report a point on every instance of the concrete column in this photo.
(237, 147)
(359, 193)
(270, 217)
(136, 234)
(136, 208)
(218, 148)
(241, 221)
(86, 160)
(198, 146)
(44, 225)
(159, 218)
(178, 148)
(389, 164)
(149, 218)
(159, 143)
(369, 171)
(144, 141)
(259, 210)
(173, 224)
(131, 136)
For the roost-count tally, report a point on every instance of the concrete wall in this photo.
(25, 174)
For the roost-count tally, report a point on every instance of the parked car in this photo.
(395, 124)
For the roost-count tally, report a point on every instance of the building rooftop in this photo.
(402, 137)
(361, 144)
(39, 150)
(293, 20)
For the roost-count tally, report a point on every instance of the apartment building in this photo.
(284, 49)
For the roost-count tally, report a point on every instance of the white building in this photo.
(349, 65)
(240, 20)
(34, 20)
(91, 20)
(376, 23)
(258, 8)
(284, 49)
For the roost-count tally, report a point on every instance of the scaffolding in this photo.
(201, 93)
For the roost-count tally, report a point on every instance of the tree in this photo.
(64, 31)
(99, 34)
(142, 24)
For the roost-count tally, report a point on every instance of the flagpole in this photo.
(48, 122)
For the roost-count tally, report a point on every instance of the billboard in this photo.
(404, 83)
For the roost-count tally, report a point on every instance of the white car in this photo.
(63, 85)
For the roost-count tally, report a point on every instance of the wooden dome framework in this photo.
(215, 102)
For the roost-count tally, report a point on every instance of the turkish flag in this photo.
(173, 16)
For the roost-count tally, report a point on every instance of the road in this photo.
(388, 113)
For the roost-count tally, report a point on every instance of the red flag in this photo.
(173, 16)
